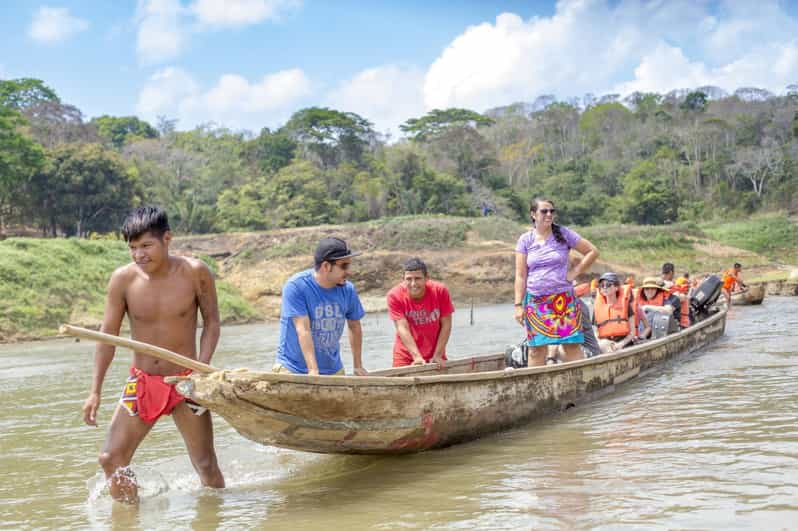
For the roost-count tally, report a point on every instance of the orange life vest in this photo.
(658, 300)
(684, 312)
(582, 290)
(729, 279)
(612, 320)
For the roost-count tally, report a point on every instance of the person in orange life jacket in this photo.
(681, 288)
(732, 281)
(654, 297)
(421, 310)
(613, 312)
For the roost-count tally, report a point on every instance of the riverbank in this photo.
(46, 282)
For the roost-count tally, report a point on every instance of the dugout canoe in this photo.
(411, 409)
(753, 294)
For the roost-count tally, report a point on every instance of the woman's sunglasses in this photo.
(545, 211)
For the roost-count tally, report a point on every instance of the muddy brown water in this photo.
(708, 441)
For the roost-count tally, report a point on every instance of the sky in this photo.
(249, 64)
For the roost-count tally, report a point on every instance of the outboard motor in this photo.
(662, 324)
(516, 356)
(705, 297)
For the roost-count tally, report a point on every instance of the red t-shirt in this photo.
(423, 316)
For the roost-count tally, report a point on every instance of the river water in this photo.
(708, 441)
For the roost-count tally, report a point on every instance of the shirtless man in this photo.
(160, 295)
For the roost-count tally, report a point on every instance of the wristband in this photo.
(519, 303)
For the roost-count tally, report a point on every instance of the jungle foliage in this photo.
(645, 159)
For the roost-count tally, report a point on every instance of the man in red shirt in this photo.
(422, 311)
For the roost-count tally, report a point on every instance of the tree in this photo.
(295, 196)
(647, 198)
(644, 104)
(560, 123)
(695, 102)
(329, 136)
(23, 93)
(269, 152)
(20, 158)
(83, 188)
(168, 174)
(53, 123)
(605, 124)
(437, 122)
(119, 130)
(758, 164)
(753, 94)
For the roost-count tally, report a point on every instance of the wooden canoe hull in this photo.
(412, 409)
(754, 294)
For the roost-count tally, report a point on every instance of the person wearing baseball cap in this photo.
(316, 305)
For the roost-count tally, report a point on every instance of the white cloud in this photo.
(54, 24)
(515, 60)
(742, 26)
(161, 32)
(239, 12)
(600, 46)
(233, 101)
(666, 68)
(386, 95)
(164, 92)
(165, 27)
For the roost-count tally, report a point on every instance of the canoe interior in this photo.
(412, 409)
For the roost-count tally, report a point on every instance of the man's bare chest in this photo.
(174, 298)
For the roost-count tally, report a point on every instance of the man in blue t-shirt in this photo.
(316, 304)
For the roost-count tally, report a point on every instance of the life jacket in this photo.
(582, 290)
(729, 278)
(658, 300)
(684, 311)
(612, 321)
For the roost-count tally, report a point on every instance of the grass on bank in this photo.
(404, 233)
(46, 282)
(772, 235)
(643, 247)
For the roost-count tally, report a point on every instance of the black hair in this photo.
(145, 219)
(555, 229)
(668, 267)
(416, 264)
(737, 265)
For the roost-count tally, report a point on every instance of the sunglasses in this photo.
(344, 266)
(604, 285)
(545, 211)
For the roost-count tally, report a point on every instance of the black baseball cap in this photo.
(332, 249)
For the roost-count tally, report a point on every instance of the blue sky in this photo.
(251, 63)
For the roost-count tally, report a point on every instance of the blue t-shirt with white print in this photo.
(328, 309)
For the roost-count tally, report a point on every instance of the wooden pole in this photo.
(138, 346)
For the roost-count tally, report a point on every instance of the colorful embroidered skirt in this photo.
(553, 319)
